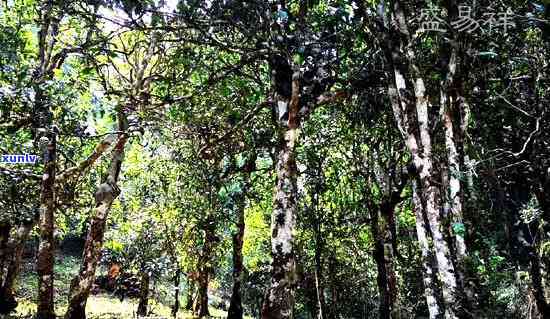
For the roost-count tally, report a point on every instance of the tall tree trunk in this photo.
(45, 133)
(428, 188)
(430, 291)
(105, 195)
(453, 195)
(201, 306)
(430, 192)
(413, 121)
(45, 262)
(235, 306)
(143, 293)
(279, 299)
(176, 306)
(455, 123)
(279, 302)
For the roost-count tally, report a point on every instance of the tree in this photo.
(108, 190)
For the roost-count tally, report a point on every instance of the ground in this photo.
(102, 306)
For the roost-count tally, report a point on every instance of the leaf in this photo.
(459, 229)
(488, 54)
(87, 70)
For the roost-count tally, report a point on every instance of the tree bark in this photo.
(105, 195)
(279, 301)
(201, 308)
(280, 296)
(45, 262)
(430, 291)
(413, 121)
(12, 264)
(235, 307)
(453, 173)
(7, 298)
(205, 267)
(5, 229)
(176, 306)
(429, 190)
(454, 196)
(381, 221)
(384, 304)
(319, 286)
(537, 281)
(143, 293)
(190, 289)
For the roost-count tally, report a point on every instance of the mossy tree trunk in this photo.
(280, 297)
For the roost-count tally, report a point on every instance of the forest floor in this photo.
(101, 306)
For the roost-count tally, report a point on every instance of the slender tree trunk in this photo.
(454, 193)
(280, 296)
(45, 262)
(235, 306)
(45, 135)
(143, 293)
(205, 268)
(389, 244)
(430, 291)
(105, 195)
(5, 229)
(7, 299)
(543, 197)
(190, 289)
(538, 265)
(384, 307)
(383, 256)
(319, 287)
(538, 286)
(12, 266)
(176, 306)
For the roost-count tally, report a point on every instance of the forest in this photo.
(274, 159)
